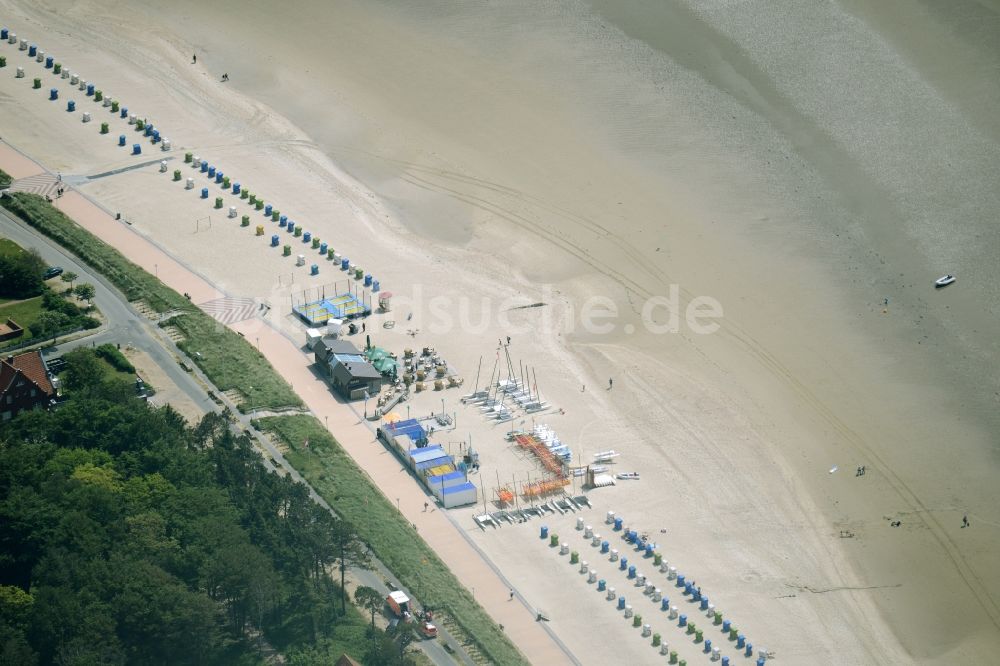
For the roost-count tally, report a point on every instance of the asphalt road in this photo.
(433, 648)
(377, 576)
(126, 326)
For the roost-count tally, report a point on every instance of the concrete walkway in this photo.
(490, 589)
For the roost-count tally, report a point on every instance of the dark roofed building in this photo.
(347, 369)
(355, 378)
(327, 347)
(24, 384)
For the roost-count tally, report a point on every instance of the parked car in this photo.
(53, 271)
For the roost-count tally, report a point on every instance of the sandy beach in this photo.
(811, 170)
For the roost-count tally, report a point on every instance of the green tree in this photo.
(21, 274)
(145, 540)
(71, 625)
(84, 291)
(49, 323)
(148, 538)
(56, 303)
(159, 619)
(264, 592)
(15, 648)
(349, 551)
(15, 606)
(83, 369)
(382, 650)
(402, 634)
(369, 599)
(33, 259)
(309, 656)
(69, 277)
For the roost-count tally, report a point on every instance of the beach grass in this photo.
(233, 364)
(353, 495)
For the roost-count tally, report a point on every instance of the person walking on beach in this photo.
(425, 507)
(611, 383)
(194, 59)
(965, 521)
(511, 596)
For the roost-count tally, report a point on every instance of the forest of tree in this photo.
(21, 273)
(130, 537)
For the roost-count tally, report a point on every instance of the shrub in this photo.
(115, 358)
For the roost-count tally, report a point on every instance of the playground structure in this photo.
(345, 301)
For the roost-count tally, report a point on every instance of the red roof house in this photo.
(24, 384)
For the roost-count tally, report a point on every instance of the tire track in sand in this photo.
(730, 328)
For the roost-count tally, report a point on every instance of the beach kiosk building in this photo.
(430, 463)
(452, 489)
(346, 368)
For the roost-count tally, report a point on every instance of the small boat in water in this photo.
(944, 281)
